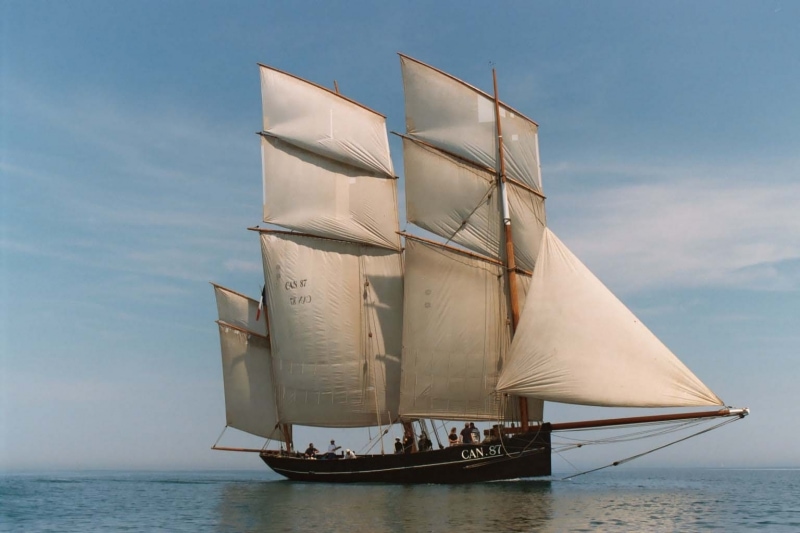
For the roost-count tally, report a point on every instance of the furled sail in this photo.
(577, 343)
(335, 311)
(455, 335)
(327, 168)
(246, 365)
(460, 119)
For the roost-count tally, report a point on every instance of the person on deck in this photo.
(466, 434)
(398, 446)
(408, 443)
(332, 447)
(476, 434)
(425, 443)
(453, 437)
(311, 452)
(349, 454)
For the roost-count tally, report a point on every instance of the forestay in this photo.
(335, 312)
(246, 366)
(577, 343)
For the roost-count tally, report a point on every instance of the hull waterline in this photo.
(520, 456)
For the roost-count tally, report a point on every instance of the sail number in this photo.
(297, 284)
(483, 451)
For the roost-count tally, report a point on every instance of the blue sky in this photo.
(130, 171)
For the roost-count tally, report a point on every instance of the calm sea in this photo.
(611, 500)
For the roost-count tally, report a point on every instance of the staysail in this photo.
(577, 343)
(246, 365)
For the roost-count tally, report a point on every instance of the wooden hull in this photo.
(519, 456)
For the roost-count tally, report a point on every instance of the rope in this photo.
(219, 438)
(483, 200)
(632, 457)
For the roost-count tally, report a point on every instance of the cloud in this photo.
(662, 227)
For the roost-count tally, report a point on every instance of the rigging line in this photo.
(380, 436)
(484, 199)
(367, 289)
(649, 433)
(566, 460)
(220, 437)
(628, 438)
(632, 457)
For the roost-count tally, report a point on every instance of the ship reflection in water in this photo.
(620, 500)
(292, 506)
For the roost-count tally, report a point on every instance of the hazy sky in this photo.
(130, 171)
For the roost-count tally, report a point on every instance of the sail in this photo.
(460, 119)
(323, 122)
(455, 334)
(460, 202)
(310, 193)
(335, 311)
(326, 163)
(577, 343)
(246, 366)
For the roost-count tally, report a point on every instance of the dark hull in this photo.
(524, 455)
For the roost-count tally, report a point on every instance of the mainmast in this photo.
(510, 261)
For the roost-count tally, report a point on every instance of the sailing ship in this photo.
(361, 324)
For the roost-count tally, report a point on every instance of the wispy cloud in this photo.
(688, 227)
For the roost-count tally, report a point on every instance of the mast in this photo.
(511, 272)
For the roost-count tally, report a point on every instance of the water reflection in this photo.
(284, 505)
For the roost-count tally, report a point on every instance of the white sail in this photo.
(310, 193)
(460, 119)
(528, 222)
(577, 343)
(321, 121)
(460, 202)
(335, 311)
(246, 365)
(455, 334)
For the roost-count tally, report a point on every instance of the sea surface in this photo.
(610, 500)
